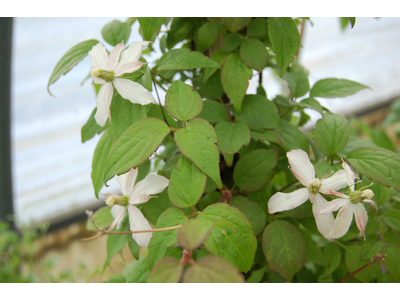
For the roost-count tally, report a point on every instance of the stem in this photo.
(378, 257)
(303, 25)
(332, 160)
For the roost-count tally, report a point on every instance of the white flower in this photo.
(135, 194)
(107, 69)
(304, 171)
(349, 204)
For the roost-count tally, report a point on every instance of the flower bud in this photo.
(358, 196)
(121, 201)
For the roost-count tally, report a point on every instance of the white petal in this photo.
(127, 181)
(114, 56)
(342, 222)
(98, 80)
(137, 223)
(361, 216)
(103, 102)
(350, 174)
(118, 212)
(371, 202)
(324, 222)
(99, 56)
(300, 163)
(139, 198)
(152, 184)
(133, 53)
(129, 67)
(282, 201)
(336, 182)
(332, 206)
(133, 91)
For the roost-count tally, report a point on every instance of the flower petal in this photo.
(103, 102)
(371, 202)
(137, 223)
(152, 184)
(361, 216)
(99, 56)
(300, 163)
(129, 67)
(133, 91)
(118, 212)
(133, 53)
(324, 222)
(98, 80)
(114, 56)
(127, 181)
(342, 222)
(350, 174)
(335, 182)
(332, 206)
(287, 201)
(139, 198)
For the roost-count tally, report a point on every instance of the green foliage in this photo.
(254, 54)
(166, 270)
(235, 24)
(91, 128)
(335, 88)
(150, 27)
(206, 36)
(184, 59)
(116, 32)
(193, 234)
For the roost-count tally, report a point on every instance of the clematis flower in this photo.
(107, 70)
(134, 194)
(349, 205)
(304, 171)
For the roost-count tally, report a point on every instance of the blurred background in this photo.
(51, 167)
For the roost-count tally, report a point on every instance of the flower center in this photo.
(315, 186)
(107, 75)
(121, 201)
(358, 196)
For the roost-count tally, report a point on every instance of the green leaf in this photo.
(254, 54)
(231, 42)
(213, 111)
(297, 79)
(116, 32)
(163, 239)
(392, 261)
(239, 247)
(391, 237)
(206, 36)
(257, 28)
(354, 262)
(235, 77)
(212, 269)
(335, 88)
(181, 28)
(197, 142)
(167, 270)
(70, 60)
(261, 197)
(140, 272)
(102, 217)
(257, 276)
(134, 247)
(371, 247)
(382, 194)
(232, 136)
(355, 143)
(268, 135)
(98, 163)
(235, 24)
(150, 27)
(213, 88)
(331, 133)
(258, 113)
(392, 218)
(333, 256)
(311, 103)
(380, 139)
(193, 234)
(377, 164)
(251, 172)
(91, 128)
(182, 102)
(135, 146)
(292, 137)
(285, 40)
(156, 112)
(352, 21)
(123, 114)
(184, 59)
(156, 206)
(115, 242)
(187, 184)
(284, 248)
(313, 253)
(255, 214)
